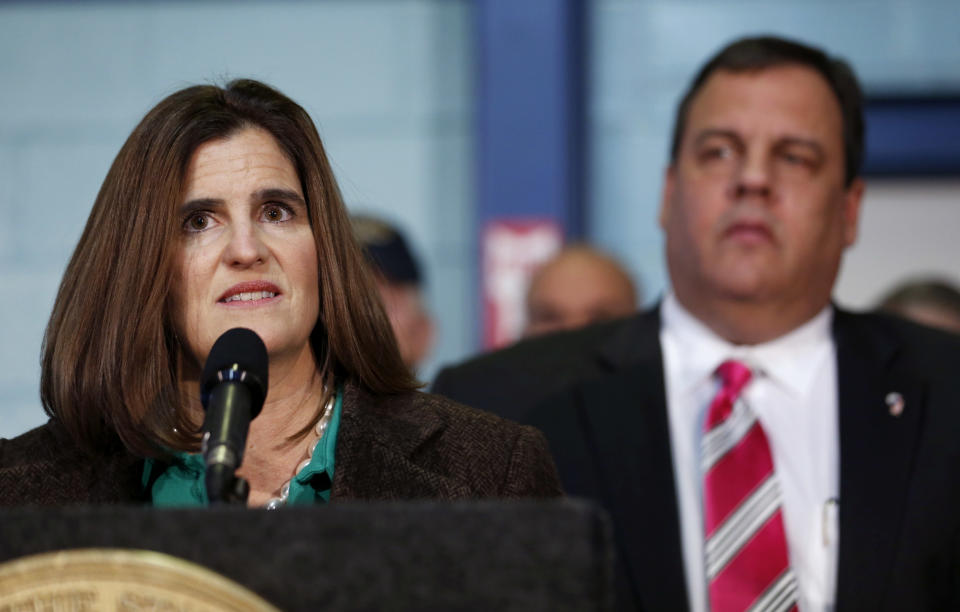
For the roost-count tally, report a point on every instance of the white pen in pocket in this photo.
(829, 522)
(831, 549)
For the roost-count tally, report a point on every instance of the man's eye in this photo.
(799, 160)
(277, 213)
(716, 152)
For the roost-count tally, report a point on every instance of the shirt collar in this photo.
(789, 360)
(180, 482)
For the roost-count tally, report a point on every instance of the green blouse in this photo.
(180, 483)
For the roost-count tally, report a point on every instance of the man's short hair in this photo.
(758, 53)
(929, 292)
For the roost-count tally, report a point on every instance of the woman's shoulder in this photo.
(33, 449)
(44, 467)
(486, 454)
(422, 411)
(29, 464)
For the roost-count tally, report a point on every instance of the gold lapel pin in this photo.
(896, 403)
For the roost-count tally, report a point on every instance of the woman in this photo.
(221, 211)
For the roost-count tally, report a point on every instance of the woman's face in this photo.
(246, 254)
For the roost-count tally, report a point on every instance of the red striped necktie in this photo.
(746, 559)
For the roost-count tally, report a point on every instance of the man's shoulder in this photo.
(929, 352)
(542, 351)
(509, 380)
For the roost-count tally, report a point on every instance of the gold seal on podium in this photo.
(118, 580)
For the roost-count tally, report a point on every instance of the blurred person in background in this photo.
(221, 211)
(399, 280)
(928, 301)
(578, 286)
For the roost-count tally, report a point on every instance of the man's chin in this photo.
(744, 288)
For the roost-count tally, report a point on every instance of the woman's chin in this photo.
(284, 349)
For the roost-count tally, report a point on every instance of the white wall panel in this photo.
(908, 229)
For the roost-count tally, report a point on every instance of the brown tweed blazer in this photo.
(410, 446)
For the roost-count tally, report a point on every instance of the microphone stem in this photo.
(224, 487)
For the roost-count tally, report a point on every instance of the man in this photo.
(399, 282)
(849, 496)
(578, 286)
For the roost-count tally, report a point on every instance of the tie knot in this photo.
(735, 375)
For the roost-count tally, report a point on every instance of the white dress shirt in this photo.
(794, 395)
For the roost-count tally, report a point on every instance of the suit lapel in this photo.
(876, 456)
(633, 451)
(375, 447)
(625, 416)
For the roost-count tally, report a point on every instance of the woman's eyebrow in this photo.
(200, 204)
(276, 193)
(271, 193)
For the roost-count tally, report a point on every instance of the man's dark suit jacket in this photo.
(407, 446)
(602, 404)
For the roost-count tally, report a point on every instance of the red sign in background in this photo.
(512, 249)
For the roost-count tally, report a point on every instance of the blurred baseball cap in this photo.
(386, 249)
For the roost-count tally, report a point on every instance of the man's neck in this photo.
(744, 322)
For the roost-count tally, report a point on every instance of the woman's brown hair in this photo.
(111, 356)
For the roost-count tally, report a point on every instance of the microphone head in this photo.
(238, 355)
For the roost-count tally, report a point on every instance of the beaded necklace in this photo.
(319, 429)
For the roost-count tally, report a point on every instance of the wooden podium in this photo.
(487, 555)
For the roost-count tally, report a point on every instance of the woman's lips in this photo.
(249, 296)
(250, 293)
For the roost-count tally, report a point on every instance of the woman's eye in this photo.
(277, 213)
(197, 222)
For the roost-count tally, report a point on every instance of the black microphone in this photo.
(232, 389)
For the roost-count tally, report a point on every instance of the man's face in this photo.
(754, 207)
(575, 290)
(411, 323)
